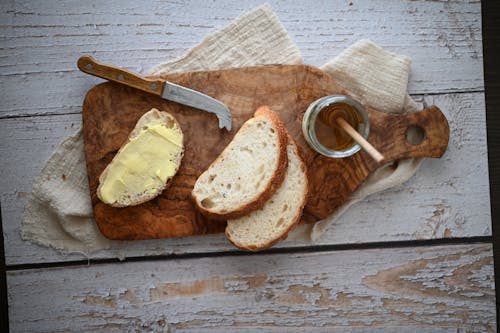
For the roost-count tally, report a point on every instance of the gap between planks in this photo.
(419, 98)
(292, 250)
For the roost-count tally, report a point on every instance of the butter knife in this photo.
(167, 90)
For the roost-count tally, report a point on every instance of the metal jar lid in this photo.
(310, 118)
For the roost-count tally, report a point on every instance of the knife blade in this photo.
(198, 100)
(164, 89)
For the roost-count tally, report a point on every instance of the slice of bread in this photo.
(281, 213)
(248, 172)
(149, 182)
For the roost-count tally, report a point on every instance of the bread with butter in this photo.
(248, 171)
(145, 164)
(280, 214)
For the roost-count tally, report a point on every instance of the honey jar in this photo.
(320, 131)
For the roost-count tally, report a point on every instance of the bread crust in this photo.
(273, 185)
(296, 219)
(150, 116)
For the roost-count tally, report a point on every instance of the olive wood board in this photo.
(110, 112)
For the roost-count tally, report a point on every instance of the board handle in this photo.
(89, 65)
(420, 134)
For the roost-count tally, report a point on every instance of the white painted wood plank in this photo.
(448, 197)
(431, 289)
(41, 41)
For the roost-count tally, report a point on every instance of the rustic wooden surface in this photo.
(428, 289)
(111, 111)
(447, 198)
(414, 29)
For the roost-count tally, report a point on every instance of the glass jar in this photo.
(326, 138)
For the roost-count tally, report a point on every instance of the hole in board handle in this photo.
(415, 135)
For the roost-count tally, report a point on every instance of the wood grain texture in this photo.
(111, 111)
(432, 289)
(41, 41)
(90, 66)
(430, 205)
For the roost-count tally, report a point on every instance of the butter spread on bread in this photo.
(248, 172)
(145, 164)
(281, 213)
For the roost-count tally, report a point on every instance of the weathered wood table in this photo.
(416, 258)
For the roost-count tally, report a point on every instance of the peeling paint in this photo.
(406, 279)
(166, 291)
(99, 300)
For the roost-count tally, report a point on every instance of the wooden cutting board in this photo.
(110, 112)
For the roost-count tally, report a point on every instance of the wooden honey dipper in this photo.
(335, 116)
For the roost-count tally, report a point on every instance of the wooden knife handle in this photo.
(392, 134)
(89, 65)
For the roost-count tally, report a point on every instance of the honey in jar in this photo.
(325, 135)
(329, 133)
